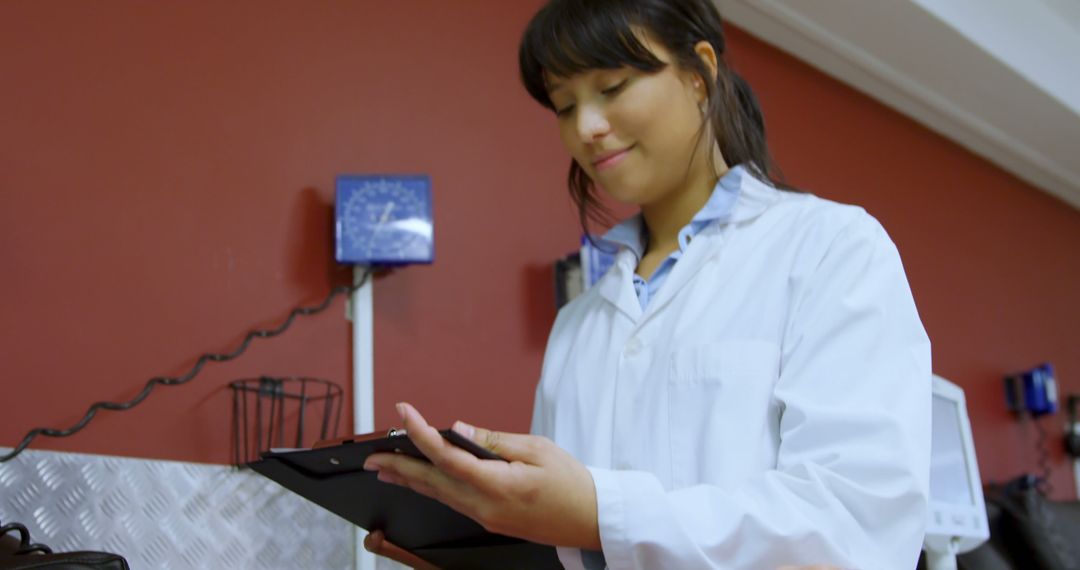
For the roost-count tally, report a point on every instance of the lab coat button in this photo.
(633, 347)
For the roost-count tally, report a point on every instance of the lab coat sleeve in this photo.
(852, 476)
(542, 418)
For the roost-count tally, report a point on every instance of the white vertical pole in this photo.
(1074, 427)
(363, 385)
(1076, 475)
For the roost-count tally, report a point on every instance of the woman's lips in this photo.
(612, 159)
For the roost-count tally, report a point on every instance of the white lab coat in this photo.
(770, 406)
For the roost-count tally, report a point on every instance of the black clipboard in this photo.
(332, 476)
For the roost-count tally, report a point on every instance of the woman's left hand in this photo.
(540, 493)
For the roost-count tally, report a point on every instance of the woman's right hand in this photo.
(377, 543)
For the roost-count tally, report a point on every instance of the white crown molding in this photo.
(964, 86)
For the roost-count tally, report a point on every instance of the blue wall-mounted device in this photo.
(384, 220)
(1032, 391)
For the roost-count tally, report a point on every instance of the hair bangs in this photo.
(568, 37)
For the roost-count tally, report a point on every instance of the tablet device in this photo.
(332, 475)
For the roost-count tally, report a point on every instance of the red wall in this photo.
(166, 175)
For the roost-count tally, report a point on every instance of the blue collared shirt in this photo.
(633, 234)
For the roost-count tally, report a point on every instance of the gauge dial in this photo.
(384, 220)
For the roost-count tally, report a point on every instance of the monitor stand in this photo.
(942, 560)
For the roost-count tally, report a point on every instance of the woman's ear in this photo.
(707, 54)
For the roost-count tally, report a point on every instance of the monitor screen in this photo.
(948, 468)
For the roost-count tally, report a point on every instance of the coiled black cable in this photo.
(171, 381)
(1043, 485)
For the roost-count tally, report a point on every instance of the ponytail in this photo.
(739, 126)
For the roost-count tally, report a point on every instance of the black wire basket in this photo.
(271, 413)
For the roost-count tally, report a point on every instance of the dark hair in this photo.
(571, 36)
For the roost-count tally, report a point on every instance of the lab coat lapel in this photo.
(617, 285)
(754, 198)
(706, 246)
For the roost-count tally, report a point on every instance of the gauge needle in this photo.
(386, 213)
(382, 221)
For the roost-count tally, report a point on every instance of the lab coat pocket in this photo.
(720, 409)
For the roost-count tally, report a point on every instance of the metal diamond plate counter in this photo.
(168, 514)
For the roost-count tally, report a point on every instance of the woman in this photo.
(749, 385)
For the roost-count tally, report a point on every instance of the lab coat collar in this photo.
(755, 197)
(617, 286)
(632, 233)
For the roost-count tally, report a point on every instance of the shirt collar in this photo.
(630, 233)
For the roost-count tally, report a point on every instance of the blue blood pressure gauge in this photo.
(384, 220)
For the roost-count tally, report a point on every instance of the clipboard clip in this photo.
(359, 438)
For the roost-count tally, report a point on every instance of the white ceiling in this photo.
(1000, 77)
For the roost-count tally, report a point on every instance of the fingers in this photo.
(510, 446)
(420, 476)
(437, 479)
(460, 464)
(423, 435)
(443, 454)
(375, 542)
(455, 476)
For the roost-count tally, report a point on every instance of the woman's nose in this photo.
(592, 123)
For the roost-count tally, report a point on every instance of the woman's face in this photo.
(634, 133)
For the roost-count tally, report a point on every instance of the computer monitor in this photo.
(957, 516)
